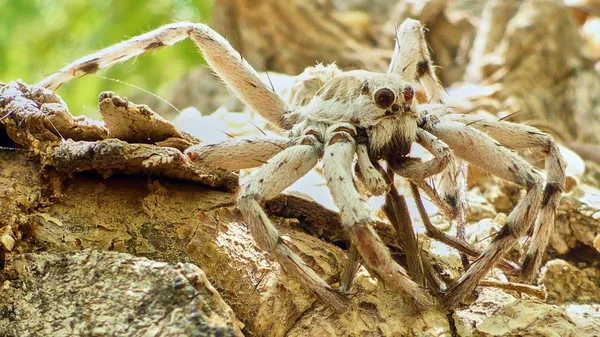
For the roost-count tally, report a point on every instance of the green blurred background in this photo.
(39, 37)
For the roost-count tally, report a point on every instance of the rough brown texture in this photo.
(567, 283)
(138, 123)
(92, 293)
(181, 222)
(175, 221)
(313, 33)
(172, 221)
(539, 64)
(578, 220)
(111, 156)
(38, 120)
(528, 318)
(149, 200)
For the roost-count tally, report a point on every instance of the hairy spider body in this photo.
(360, 117)
(382, 104)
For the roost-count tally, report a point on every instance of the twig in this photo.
(537, 291)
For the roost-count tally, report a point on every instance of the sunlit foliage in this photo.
(40, 37)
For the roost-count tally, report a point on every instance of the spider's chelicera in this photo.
(361, 118)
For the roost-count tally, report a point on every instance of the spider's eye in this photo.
(408, 93)
(384, 97)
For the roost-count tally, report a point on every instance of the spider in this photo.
(365, 118)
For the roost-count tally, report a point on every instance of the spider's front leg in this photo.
(337, 162)
(411, 59)
(481, 150)
(229, 65)
(266, 183)
(238, 153)
(417, 171)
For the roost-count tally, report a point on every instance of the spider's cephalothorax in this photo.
(381, 104)
(360, 117)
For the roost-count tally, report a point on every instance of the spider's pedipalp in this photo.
(368, 174)
(337, 161)
(418, 171)
(238, 153)
(227, 63)
(498, 160)
(517, 137)
(266, 183)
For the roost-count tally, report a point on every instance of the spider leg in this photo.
(227, 63)
(419, 171)
(452, 182)
(498, 160)
(337, 161)
(266, 183)
(517, 137)
(368, 172)
(396, 210)
(411, 59)
(436, 234)
(350, 269)
(416, 171)
(238, 153)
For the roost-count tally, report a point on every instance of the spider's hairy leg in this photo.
(481, 150)
(452, 187)
(377, 181)
(419, 171)
(266, 183)
(229, 65)
(452, 182)
(350, 269)
(437, 234)
(517, 137)
(411, 59)
(337, 162)
(396, 210)
(239, 153)
(368, 173)
(416, 171)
